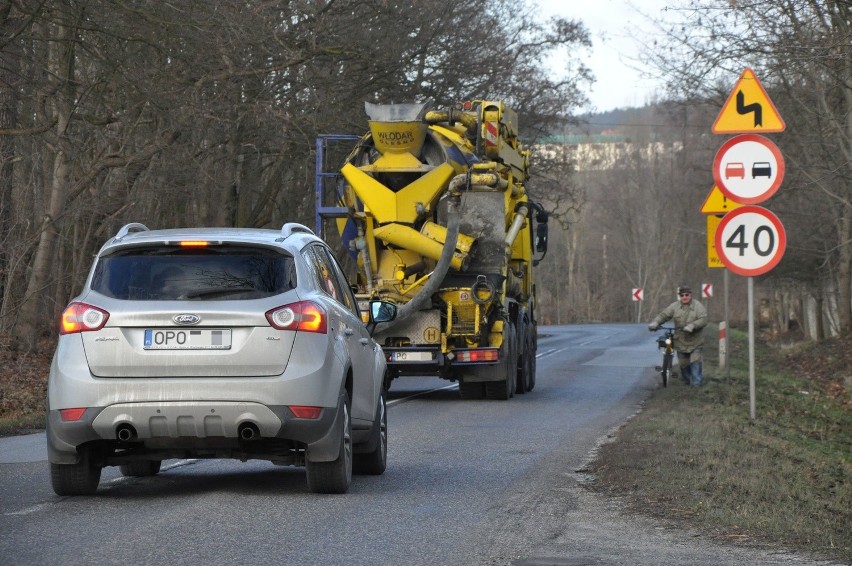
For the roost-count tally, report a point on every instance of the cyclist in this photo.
(690, 318)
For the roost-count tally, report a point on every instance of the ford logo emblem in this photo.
(186, 319)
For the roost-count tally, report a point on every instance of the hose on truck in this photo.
(424, 296)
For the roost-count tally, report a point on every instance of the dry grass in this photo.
(694, 456)
(23, 388)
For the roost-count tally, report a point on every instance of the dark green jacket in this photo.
(692, 313)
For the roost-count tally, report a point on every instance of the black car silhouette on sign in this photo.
(761, 169)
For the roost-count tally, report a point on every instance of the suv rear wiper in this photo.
(215, 292)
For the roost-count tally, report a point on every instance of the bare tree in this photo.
(802, 52)
(204, 112)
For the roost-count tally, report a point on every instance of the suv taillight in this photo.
(80, 317)
(306, 316)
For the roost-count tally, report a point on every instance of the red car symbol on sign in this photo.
(735, 169)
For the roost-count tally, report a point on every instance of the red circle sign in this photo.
(748, 168)
(750, 240)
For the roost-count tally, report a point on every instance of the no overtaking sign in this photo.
(748, 168)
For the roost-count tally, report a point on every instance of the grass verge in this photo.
(693, 456)
(23, 388)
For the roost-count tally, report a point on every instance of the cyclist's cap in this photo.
(684, 289)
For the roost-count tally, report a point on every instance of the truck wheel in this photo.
(504, 388)
(522, 374)
(471, 390)
(81, 478)
(335, 476)
(141, 468)
(526, 363)
(532, 348)
(375, 461)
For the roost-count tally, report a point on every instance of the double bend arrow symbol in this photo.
(755, 107)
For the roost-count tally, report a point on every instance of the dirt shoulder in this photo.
(694, 459)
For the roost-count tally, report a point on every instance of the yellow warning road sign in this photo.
(713, 259)
(748, 109)
(718, 203)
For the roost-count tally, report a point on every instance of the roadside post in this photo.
(748, 169)
(707, 294)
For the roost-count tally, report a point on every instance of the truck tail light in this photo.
(481, 355)
(80, 317)
(306, 316)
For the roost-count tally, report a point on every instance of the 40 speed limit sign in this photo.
(750, 240)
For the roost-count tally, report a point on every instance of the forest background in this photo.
(196, 113)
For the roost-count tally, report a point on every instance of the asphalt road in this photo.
(468, 482)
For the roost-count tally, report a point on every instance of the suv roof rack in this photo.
(293, 227)
(128, 228)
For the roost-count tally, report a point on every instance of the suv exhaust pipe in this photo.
(248, 431)
(125, 432)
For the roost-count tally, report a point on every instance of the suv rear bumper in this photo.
(198, 419)
(194, 430)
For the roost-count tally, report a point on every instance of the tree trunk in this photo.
(842, 23)
(844, 278)
(819, 331)
(61, 64)
(9, 70)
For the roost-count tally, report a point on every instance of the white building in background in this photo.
(602, 152)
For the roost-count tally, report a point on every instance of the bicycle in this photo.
(666, 344)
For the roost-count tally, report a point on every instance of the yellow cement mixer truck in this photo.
(433, 207)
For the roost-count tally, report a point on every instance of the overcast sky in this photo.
(613, 25)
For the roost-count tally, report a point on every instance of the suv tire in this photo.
(81, 478)
(373, 463)
(334, 476)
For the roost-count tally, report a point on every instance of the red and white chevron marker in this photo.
(706, 290)
(638, 294)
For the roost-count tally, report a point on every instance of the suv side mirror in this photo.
(541, 237)
(382, 311)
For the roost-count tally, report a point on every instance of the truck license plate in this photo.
(411, 357)
(186, 339)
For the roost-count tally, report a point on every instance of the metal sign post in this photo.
(727, 361)
(752, 382)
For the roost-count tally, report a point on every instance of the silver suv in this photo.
(216, 343)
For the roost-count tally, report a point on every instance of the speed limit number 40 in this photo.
(750, 240)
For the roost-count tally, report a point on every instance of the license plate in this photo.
(411, 356)
(187, 339)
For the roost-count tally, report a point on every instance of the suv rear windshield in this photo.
(214, 273)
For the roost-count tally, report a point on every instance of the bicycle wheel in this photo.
(667, 368)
